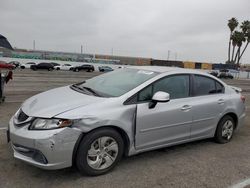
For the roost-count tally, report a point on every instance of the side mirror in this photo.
(159, 96)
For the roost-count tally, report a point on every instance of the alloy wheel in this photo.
(102, 153)
(227, 130)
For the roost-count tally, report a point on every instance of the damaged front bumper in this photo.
(47, 149)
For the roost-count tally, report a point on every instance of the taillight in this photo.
(243, 98)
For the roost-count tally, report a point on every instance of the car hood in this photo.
(56, 101)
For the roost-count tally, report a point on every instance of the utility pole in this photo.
(81, 49)
(168, 54)
(34, 45)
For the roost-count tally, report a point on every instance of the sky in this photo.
(194, 30)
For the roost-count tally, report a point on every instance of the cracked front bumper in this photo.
(47, 149)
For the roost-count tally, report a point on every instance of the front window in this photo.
(177, 86)
(118, 82)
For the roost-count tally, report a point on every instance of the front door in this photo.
(169, 122)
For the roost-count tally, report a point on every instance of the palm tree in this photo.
(239, 38)
(248, 40)
(234, 43)
(245, 27)
(232, 24)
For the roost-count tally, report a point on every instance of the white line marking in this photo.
(241, 184)
(3, 128)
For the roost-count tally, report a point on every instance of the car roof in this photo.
(164, 69)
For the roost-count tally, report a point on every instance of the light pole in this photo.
(168, 54)
(34, 44)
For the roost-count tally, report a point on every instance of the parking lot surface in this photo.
(197, 164)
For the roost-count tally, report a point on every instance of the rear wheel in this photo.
(99, 152)
(225, 130)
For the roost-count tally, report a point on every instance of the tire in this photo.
(226, 121)
(76, 70)
(22, 67)
(102, 160)
(34, 69)
(57, 68)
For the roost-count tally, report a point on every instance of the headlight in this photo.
(45, 124)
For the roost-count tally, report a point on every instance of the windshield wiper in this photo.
(76, 87)
(92, 91)
(84, 89)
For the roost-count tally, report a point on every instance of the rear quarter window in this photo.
(204, 85)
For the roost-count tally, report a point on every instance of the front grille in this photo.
(22, 116)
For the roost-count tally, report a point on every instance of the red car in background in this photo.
(4, 65)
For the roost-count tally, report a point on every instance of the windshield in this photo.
(118, 82)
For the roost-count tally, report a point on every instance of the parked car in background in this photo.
(63, 67)
(214, 73)
(46, 66)
(94, 123)
(15, 63)
(27, 65)
(54, 64)
(225, 73)
(86, 67)
(4, 65)
(105, 69)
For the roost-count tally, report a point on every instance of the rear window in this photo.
(206, 86)
(219, 87)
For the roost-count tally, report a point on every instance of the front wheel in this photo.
(99, 152)
(225, 130)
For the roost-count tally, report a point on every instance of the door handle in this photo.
(186, 107)
(221, 101)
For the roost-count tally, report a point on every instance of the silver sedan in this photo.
(94, 123)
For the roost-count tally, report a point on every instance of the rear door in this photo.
(208, 104)
(166, 123)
